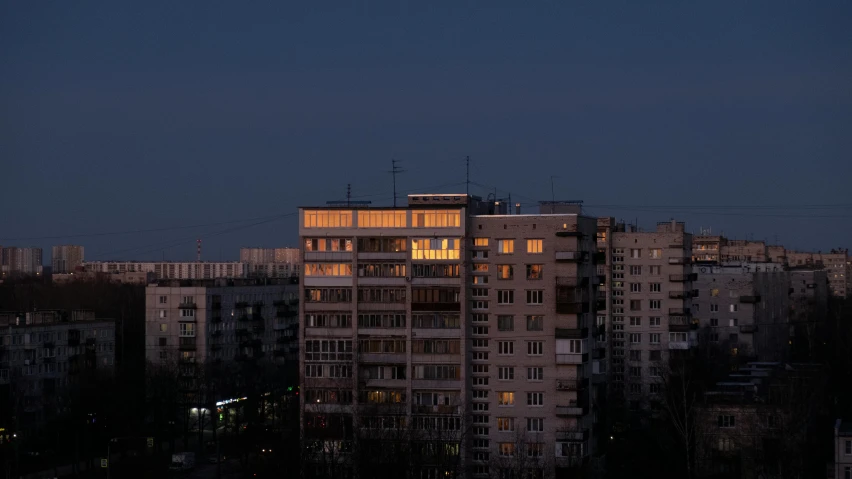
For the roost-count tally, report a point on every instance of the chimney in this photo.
(517, 208)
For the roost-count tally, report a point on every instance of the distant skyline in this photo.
(141, 116)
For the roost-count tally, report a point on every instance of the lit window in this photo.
(327, 219)
(656, 253)
(382, 219)
(435, 248)
(328, 269)
(506, 246)
(504, 271)
(505, 424)
(534, 246)
(435, 218)
(534, 271)
(506, 398)
(480, 241)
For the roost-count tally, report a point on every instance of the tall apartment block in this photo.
(41, 354)
(648, 293)
(469, 328)
(193, 322)
(171, 269)
(16, 261)
(66, 258)
(744, 309)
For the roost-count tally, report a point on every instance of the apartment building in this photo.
(196, 321)
(127, 277)
(66, 258)
(41, 354)
(842, 449)
(837, 264)
(172, 270)
(744, 309)
(16, 261)
(444, 317)
(649, 316)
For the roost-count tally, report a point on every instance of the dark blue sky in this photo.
(120, 116)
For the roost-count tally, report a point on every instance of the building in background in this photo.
(16, 261)
(271, 262)
(645, 305)
(454, 319)
(744, 309)
(171, 269)
(127, 277)
(203, 322)
(42, 353)
(66, 258)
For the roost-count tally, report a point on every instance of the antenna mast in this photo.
(348, 193)
(552, 196)
(467, 175)
(394, 170)
(198, 254)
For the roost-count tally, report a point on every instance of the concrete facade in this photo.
(436, 314)
(196, 321)
(649, 315)
(843, 449)
(744, 309)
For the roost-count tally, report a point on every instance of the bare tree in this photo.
(682, 394)
(523, 456)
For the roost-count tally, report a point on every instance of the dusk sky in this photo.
(119, 116)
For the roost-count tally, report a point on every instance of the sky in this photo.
(171, 121)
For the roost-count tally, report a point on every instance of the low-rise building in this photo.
(171, 269)
(842, 449)
(759, 422)
(126, 277)
(42, 353)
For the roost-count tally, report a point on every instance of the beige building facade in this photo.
(66, 258)
(442, 315)
(171, 269)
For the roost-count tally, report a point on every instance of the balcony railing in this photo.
(750, 299)
(572, 434)
(572, 358)
(679, 312)
(680, 294)
(438, 409)
(599, 258)
(574, 408)
(191, 305)
(216, 305)
(571, 384)
(186, 344)
(679, 260)
(241, 304)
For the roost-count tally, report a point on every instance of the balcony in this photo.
(573, 281)
(679, 261)
(216, 305)
(679, 312)
(49, 345)
(680, 294)
(680, 324)
(599, 258)
(251, 343)
(682, 278)
(571, 333)
(188, 306)
(571, 384)
(241, 304)
(599, 353)
(572, 409)
(750, 299)
(572, 358)
(680, 344)
(748, 328)
(571, 307)
(186, 344)
(571, 256)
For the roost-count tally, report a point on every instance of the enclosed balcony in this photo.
(679, 312)
(572, 434)
(571, 256)
(574, 407)
(186, 344)
(679, 260)
(188, 305)
(572, 358)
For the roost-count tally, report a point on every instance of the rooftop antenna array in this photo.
(394, 170)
